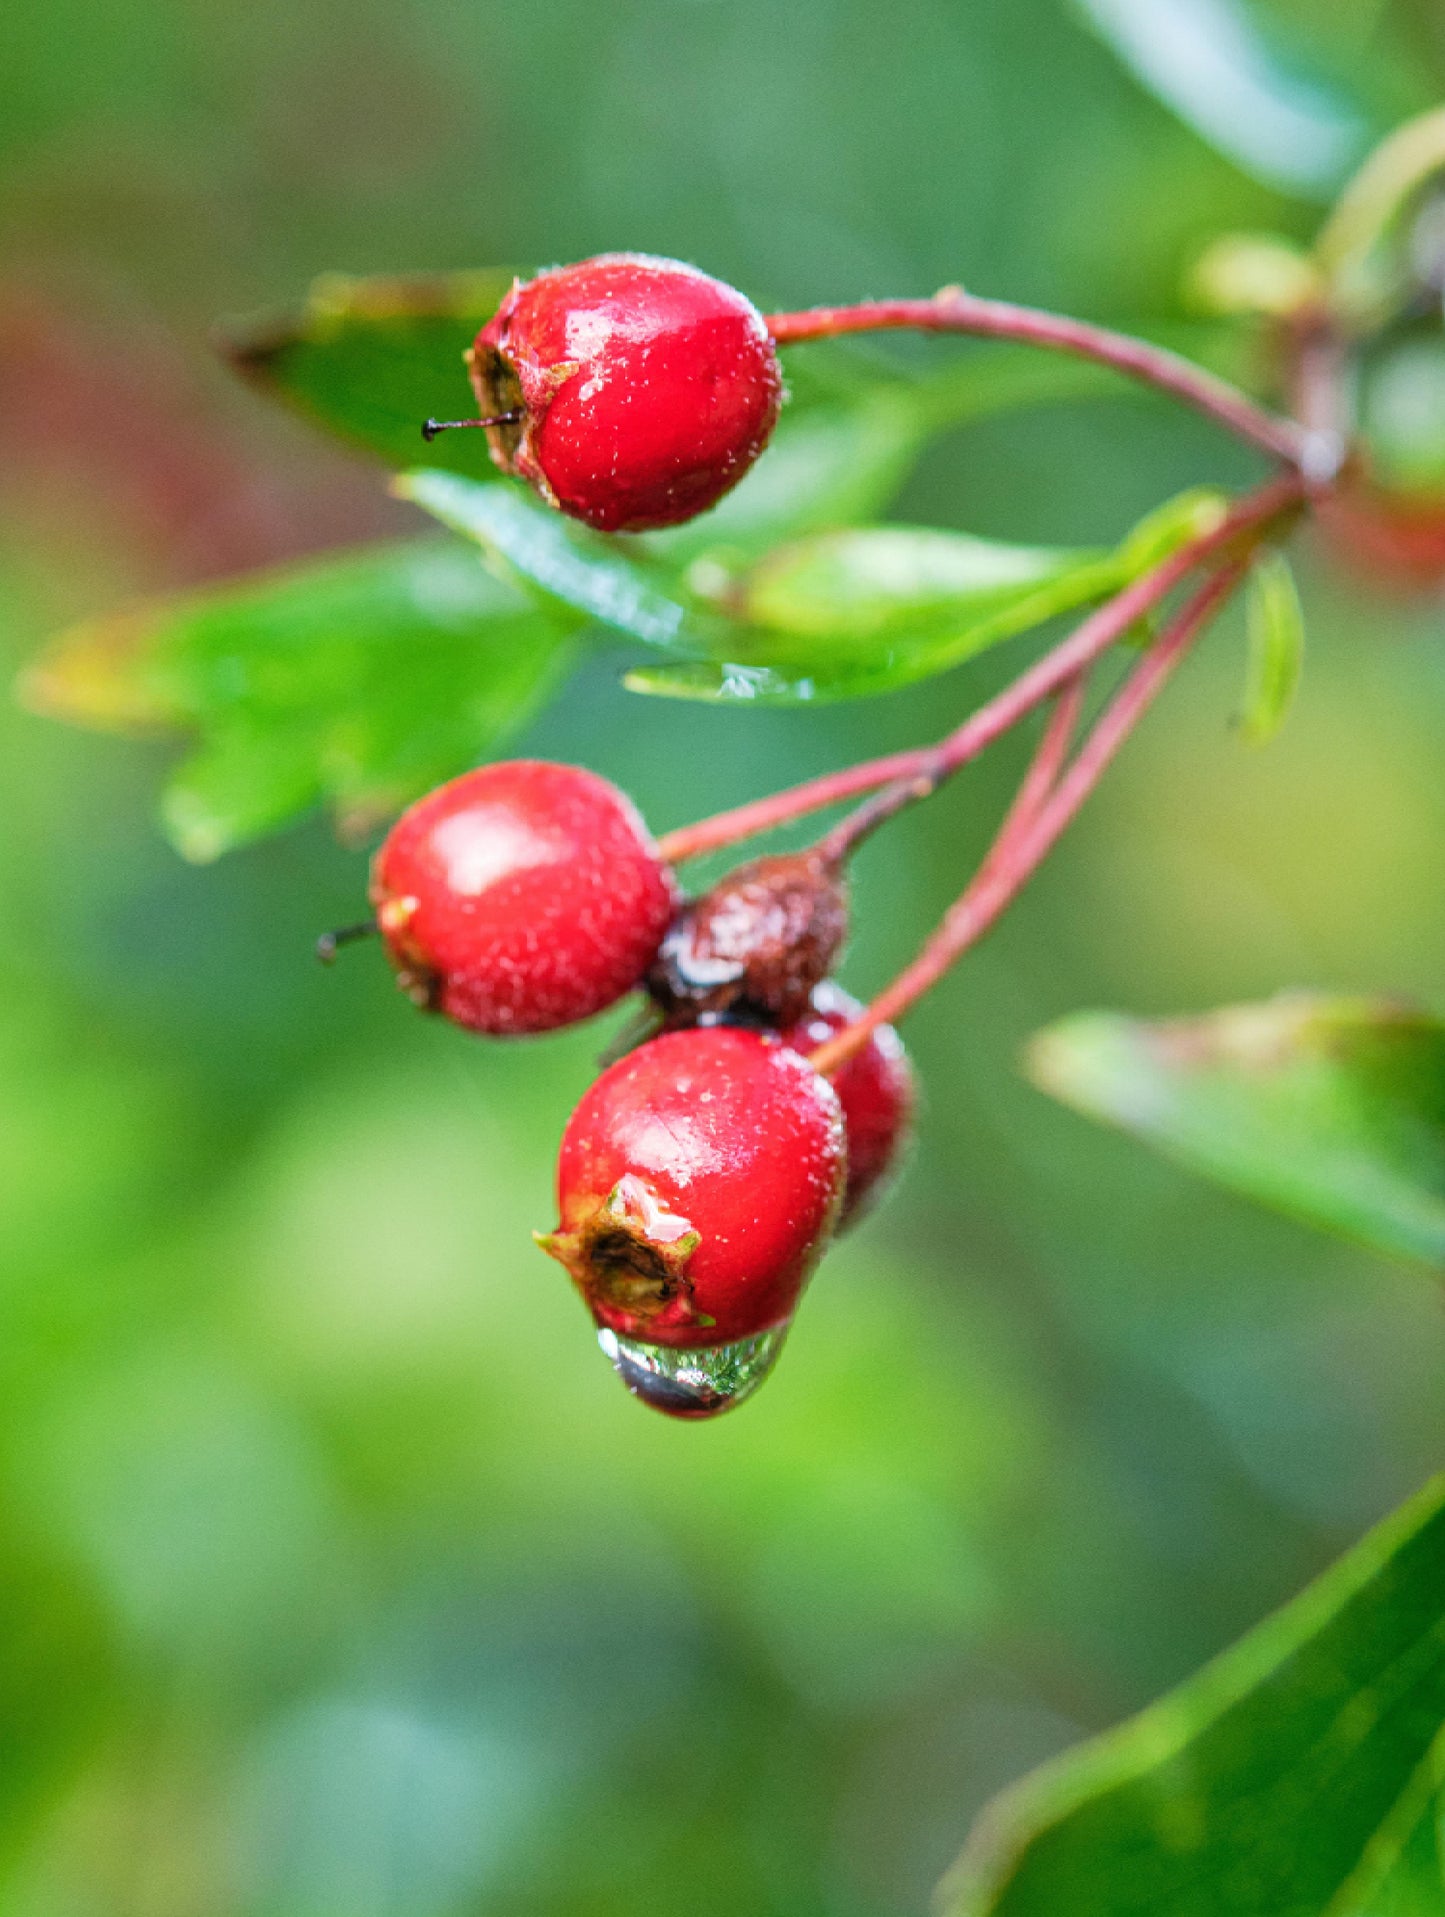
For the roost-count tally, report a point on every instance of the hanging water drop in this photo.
(695, 1383)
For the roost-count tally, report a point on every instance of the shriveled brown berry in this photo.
(756, 944)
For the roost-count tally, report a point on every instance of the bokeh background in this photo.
(338, 1578)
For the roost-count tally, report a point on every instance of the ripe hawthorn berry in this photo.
(875, 1089)
(631, 392)
(697, 1186)
(520, 897)
(756, 944)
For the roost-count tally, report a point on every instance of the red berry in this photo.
(645, 389)
(521, 896)
(697, 1184)
(875, 1089)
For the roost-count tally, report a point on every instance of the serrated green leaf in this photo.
(1275, 648)
(1287, 1779)
(371, 359)
(361, 679)
(1332, 1110)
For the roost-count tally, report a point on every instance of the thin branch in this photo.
(1024, 841)
(955, 311)
(1250, 518)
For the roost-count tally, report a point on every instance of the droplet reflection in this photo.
(697, 1383)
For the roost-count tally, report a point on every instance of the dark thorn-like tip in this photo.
(330, 943)
(431, 427)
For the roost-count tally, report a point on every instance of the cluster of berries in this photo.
(702, 1175)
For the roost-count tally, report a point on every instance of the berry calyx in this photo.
(697, 1185)
(629, 391)
(756, 944)
(875, 1089)
(520, 897)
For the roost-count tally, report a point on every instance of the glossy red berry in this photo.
(633, 391)
(697, 1185)
(521, 897)
(875, 1088)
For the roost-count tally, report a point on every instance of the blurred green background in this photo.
(338, 1578)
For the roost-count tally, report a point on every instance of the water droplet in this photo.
(696, 1383)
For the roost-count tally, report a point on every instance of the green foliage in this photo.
(1286, 1780)
(1253, 93)
(1332, 1110)
(361, 679)
(839, 615)
(1275, 637)
(370, 359)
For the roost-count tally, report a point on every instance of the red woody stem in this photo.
(1034, 825)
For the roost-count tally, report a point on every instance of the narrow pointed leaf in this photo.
(1275, 642)
(1289, 1778)
(1330, 1109)
(361, 679)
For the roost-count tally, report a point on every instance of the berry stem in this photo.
(1250, 519)
(431, 427)
(1034, 825)
(1042, 774)
(954, 311)
(837, 845)
(330, 943)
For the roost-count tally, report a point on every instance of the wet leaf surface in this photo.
(1330, 1109)
(1295, 1776)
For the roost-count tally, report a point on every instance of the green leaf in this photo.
(1286, 1779)
(571, 569)
(362, 678)
(836, 616)
(1275, 642)
(1242, 88)
(372, 358)
(1330, 1109)
(853, 613)
(848, 614)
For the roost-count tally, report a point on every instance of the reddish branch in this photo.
(954, 311)
(1034, 823)
(1247, 521)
